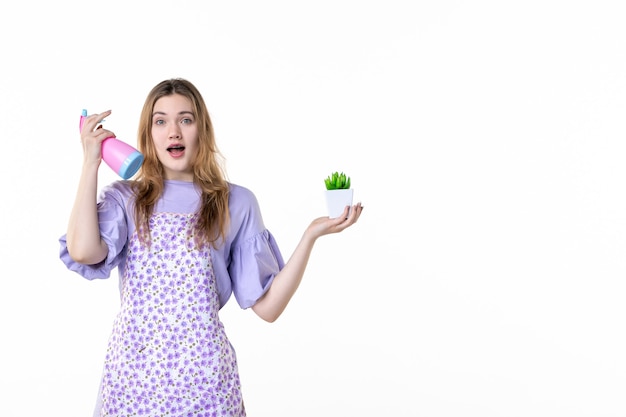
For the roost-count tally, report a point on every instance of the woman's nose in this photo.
(174, 132)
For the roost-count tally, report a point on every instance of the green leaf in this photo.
(337, 181)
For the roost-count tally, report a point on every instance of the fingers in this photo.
(92, 127)
(349, 216)
(93, 122)
(98, 134)
(354, 213)
(92, 135)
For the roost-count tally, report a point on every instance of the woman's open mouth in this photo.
(176, 150)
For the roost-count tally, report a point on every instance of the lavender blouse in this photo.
(245, 263)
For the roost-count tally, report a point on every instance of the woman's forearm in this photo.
(84, 244)
(286, 282)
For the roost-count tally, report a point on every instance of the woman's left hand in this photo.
(325, 225)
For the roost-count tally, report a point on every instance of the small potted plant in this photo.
(338, 194)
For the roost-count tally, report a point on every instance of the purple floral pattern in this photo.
(168, 354)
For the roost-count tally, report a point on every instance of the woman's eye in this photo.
(158, 122)
(186, 121)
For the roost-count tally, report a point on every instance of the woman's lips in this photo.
(176, 151)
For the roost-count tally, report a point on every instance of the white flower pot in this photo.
(337, 200)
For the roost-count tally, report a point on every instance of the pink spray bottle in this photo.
(119, 156)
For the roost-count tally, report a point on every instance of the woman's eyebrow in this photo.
(179, 113)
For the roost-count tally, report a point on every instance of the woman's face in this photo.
(175, 136)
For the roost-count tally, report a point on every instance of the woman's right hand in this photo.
(92, 135)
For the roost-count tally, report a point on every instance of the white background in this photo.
(485, 139)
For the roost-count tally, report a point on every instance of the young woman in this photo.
(183, 239)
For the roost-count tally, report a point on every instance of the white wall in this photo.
(485, 139)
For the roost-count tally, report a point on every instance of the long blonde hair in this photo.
(212, 218)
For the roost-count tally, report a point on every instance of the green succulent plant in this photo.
(337, 181)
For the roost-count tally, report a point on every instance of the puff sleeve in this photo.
(112, 219)
(255, 262)
(252, 257)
